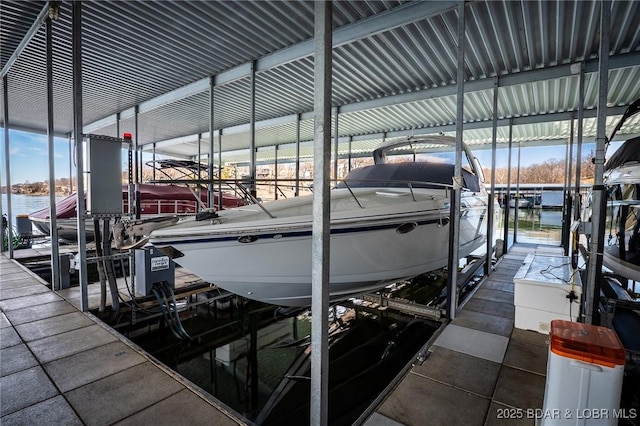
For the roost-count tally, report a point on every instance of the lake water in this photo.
(25, 204)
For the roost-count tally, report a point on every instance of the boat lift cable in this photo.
(173, 314)
(169, 310)
(169, 317)
(181, 329)
(164, 312)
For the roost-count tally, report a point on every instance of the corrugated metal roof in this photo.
(394, 67)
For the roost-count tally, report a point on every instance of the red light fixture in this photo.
(127, 136)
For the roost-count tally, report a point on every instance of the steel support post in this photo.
(7, 164)
(199, 173)
(1, 208)
(566, 208)
(321, 214)
(252, 131)
(275, 177)
(335, 148)
(220, 169)
(492, 197)
(598, 212)
(581, 94)
(79, 140)
(70, 165)
(153, 158)
(517, 206)
(454, 215)
(55, 252)
(297, 155)
(508, 194)
(211, 201)
(137, 168)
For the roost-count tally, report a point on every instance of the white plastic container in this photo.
(584, 376)
(541, 287)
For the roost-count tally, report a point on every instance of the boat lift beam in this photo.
(492, 192)
(55, 252)
(596, 245)
(77, 132)
(454, 216)
(320, 237)
(7, 165)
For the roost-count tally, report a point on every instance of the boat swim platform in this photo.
(62, 366)
(480, 369)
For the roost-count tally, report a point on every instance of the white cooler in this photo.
(541, 286)
(584, 376)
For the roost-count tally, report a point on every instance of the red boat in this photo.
(155, 200)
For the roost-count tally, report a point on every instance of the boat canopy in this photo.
(627, 153)
(420, 175)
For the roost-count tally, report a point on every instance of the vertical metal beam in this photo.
(517, 206)
(7, 163)
(321, 215)
(596, 245)
(220, 169)
(508, 194)
(570, 176)
(350, 148)
(492, 197)
(297, 155)
(55, 252)
(70, 165)
(153, 158)
(252, 130)
(78, 137)
(335, 148)
(136, 163)
(1, 208)
(199, 172)
(566, 208)
(581, 95)
(454, 215)
(210, 195)
(275, 160)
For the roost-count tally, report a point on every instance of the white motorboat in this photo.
(389, 222)
(522, 203)
(622, 247)
(622, 180)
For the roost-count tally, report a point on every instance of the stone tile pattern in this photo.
(61, 367)
(480, 371)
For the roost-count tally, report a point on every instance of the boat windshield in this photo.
(419, 174)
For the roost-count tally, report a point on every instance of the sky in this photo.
(28, 155)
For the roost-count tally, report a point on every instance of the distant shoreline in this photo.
(35, 194)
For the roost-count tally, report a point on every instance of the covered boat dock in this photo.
(241, 85)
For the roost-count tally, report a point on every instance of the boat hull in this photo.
(67, 228)
(612, 261)
(276, 267)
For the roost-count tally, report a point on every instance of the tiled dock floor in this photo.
(60, 366)
(479, 365)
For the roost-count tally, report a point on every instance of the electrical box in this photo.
(542, 288)
(104, 176)
(153, 266)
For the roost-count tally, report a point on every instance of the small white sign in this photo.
(159, 263)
